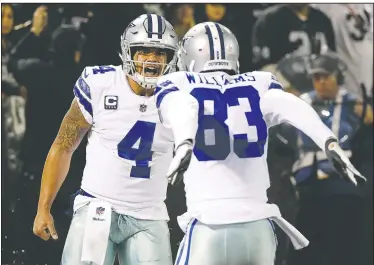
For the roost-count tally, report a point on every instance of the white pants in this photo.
(232, 244)
(136, 241)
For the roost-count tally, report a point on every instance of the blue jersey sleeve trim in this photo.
(162, 94)
(84, 87)
(85, 103)
(274, 85)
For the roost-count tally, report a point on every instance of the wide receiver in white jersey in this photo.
(120, 207)
(220, 121)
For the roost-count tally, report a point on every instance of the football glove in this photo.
(180, 162)
(341, 162)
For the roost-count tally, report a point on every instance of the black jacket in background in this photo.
(279, 32)
(48, 98)
(31, 46)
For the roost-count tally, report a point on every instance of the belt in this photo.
(84, 193)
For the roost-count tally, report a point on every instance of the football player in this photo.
(119, 208)
(323, 195)
(220, 121)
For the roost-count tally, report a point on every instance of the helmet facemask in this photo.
(130, 66)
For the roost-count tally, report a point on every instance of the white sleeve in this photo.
(180, 112)
(281, 107)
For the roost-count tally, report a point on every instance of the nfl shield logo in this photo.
(100, 210)
(143, 107)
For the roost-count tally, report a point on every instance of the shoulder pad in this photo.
(97, 73)
(89, 86)
(173, 80)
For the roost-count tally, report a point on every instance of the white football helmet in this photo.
(148, 31)
(209, 46)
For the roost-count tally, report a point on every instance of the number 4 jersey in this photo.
(227, 179)
(128, 150)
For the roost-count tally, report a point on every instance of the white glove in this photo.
(341, 162)
(180, 162)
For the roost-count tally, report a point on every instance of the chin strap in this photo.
(142, 81)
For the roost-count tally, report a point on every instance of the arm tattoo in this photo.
(72, 130)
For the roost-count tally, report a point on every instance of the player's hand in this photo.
(44, 226)
(341, 162)
(180, 162)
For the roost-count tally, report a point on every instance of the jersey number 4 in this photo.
(213, 135)
(141, 135)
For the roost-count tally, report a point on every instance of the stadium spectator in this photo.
(331, 210)
(304, 30)
(35, 40)
(182, 18)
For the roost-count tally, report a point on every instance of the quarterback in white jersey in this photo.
(120, 207)
(220, 121)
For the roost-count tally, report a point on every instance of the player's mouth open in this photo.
(152, 70)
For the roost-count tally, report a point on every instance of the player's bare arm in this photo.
(72, 130)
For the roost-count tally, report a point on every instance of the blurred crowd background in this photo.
(45, 47)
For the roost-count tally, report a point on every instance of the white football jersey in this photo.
(128, 150)
(228, 176)
(228, 170)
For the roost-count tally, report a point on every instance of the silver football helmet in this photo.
(209, 46)
(148, 31)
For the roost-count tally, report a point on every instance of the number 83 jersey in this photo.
(227, 178)
(128, 150)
